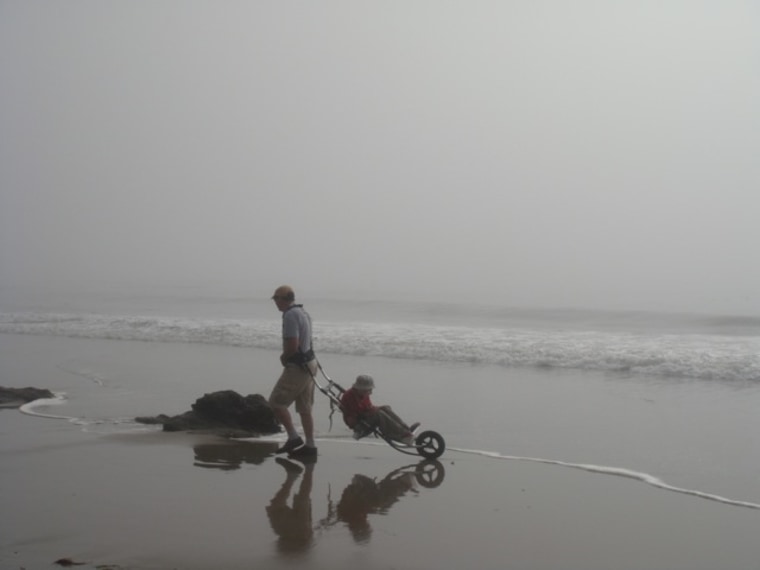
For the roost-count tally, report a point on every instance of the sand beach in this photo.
(101, 490)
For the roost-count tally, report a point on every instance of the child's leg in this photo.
(391, 425)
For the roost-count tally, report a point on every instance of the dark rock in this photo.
(15, 397)
(68, 562)
(225, 413)
(153, 420)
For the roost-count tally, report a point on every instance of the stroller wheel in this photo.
(430, 444)
(429, 473)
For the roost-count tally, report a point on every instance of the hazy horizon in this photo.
(544, 154)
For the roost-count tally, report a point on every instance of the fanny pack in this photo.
(302, 358)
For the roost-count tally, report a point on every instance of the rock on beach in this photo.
(16, 397)
(225, 413)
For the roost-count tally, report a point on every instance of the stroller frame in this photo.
(428, 444)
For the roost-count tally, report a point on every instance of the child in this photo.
(358, 409)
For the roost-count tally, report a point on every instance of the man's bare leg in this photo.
(284, 417)
(294, 441)
(307, 421)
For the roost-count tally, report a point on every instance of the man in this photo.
(295, 383)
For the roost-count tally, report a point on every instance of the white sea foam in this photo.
(38, 408)
(32, 408)
(600, 469)
(677, 355)
(113, 425)
(618, 472)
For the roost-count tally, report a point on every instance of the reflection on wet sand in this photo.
(365, 496)
(293, 524)
(231, 455)
(291, 520)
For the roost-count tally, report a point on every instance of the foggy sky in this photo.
(550, 153)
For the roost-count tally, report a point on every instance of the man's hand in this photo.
(289, 348)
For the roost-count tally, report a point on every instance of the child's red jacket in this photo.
(354, 404)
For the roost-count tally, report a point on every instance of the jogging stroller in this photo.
(429, 444)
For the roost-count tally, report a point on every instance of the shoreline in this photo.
(95, 488)
(157, 500)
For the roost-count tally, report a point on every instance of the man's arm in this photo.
(289, 348)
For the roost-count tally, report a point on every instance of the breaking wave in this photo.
(675, 355)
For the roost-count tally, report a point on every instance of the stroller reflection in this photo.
(366, 496)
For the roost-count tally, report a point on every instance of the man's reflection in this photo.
(292, 520)
(365, 496)
(293, 524)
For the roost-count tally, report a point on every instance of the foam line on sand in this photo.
(30, 407)
(617, 472)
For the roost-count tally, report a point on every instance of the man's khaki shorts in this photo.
(294, 385)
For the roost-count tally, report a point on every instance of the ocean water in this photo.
(668, 400)
(682, 347)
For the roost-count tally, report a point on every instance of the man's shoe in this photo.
(308, 461)
(290, 445)
(289, 466)
(305, 451)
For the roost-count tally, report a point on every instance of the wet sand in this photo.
(144, 499)
(160, 501)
